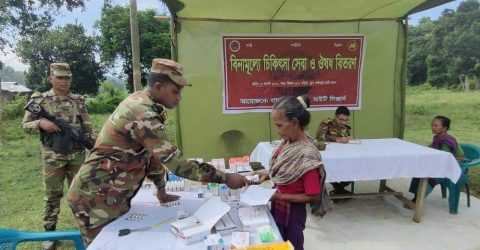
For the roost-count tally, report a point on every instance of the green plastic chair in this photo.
(10, 238)
(472, 159)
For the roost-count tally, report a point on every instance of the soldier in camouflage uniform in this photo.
(133, 145)
(336, 130)
(57, 167)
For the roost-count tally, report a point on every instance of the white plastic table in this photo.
(159, 236)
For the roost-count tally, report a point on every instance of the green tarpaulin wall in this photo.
(197, 25)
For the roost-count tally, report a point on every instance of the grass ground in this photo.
(423, 103)
(21, 195)
(21, 188)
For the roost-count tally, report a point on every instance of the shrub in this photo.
(107, 100)
(14, 108)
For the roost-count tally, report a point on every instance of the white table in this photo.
(159, 237)
(379, 159)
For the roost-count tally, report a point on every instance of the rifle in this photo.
(62, 142)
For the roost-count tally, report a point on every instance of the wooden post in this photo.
(421, 192)
(137, 75)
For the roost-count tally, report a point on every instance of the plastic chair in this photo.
(10, 238)
(472, 159)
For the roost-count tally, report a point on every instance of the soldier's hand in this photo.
(164, 198)
(263, 177)
(48, 126)
(236, 181)
(342, 140)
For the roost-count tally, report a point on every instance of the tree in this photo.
(115, 42)
(418, 50)
(436, 70)
(476, 70)
(447, 50)
(24, 15)
(67, 44)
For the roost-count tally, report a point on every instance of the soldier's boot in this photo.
(49, 245)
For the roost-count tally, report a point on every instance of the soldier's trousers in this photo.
(57, 168)
(101, 192)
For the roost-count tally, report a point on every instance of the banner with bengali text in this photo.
(258, 70)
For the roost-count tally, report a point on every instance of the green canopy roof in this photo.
(298, 10)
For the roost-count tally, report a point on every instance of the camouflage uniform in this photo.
(132, 145)
(58, 167)
(329, 131)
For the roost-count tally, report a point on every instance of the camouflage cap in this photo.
(60, 69)
(170, 68)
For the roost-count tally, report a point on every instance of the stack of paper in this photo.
(256, 195)
(197, 226)
(226, 224)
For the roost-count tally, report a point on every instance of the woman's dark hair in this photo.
(158, 77)
(342, 110)
(445, 121)
(295, 108)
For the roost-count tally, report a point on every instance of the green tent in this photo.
(197, 25)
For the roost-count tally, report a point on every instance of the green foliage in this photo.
(26, 16)
(476, 70)
(67, 44)
(14, 108)
(115, 40)
(107, 100)
(445, 50)
(418, 48)
(419, 89)
(437, 71)
(417, 110)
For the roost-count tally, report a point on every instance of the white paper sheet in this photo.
(256, 195)
(202, 220)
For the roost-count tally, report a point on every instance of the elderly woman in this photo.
(442, 140)
(296, 170)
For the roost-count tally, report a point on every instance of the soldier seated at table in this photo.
(336, 130)
(441, 141)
